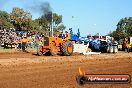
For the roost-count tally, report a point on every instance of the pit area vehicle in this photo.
(103, 46)
(55, 46)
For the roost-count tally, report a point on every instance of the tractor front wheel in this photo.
(54, 51)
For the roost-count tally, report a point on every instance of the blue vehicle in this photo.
(74, 37)
(98, 45)
(84, 39)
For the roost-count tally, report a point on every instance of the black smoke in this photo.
(40, 7)
(45, 8)
(46, 11)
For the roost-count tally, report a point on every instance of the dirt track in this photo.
(25, 70)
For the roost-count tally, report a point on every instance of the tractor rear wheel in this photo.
(54, 51)
(67, 48)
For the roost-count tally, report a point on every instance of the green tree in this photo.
(5, 20)
(57, 23)
(20, 19)
(45, 21)
(57, 19)
(124, 29)
(34, 25)
(44, 24)
(125, 26)
(60, 28)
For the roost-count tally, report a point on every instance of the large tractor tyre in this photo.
(54, 51)
(67, 48)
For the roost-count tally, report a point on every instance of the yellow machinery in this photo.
(55, 46)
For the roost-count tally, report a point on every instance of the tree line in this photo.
(22, 20)
(123, 30)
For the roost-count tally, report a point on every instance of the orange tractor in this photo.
(55, 46)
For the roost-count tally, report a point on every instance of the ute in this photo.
(55, 46)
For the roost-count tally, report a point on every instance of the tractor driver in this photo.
(67, 35)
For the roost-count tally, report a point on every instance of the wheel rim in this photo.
(70, 48)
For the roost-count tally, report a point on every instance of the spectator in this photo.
(19, 43)
(24, 43)
(126, 45)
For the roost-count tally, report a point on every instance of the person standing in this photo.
(24, 43)
(39, 44)
(19, 43)
(126, 45)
